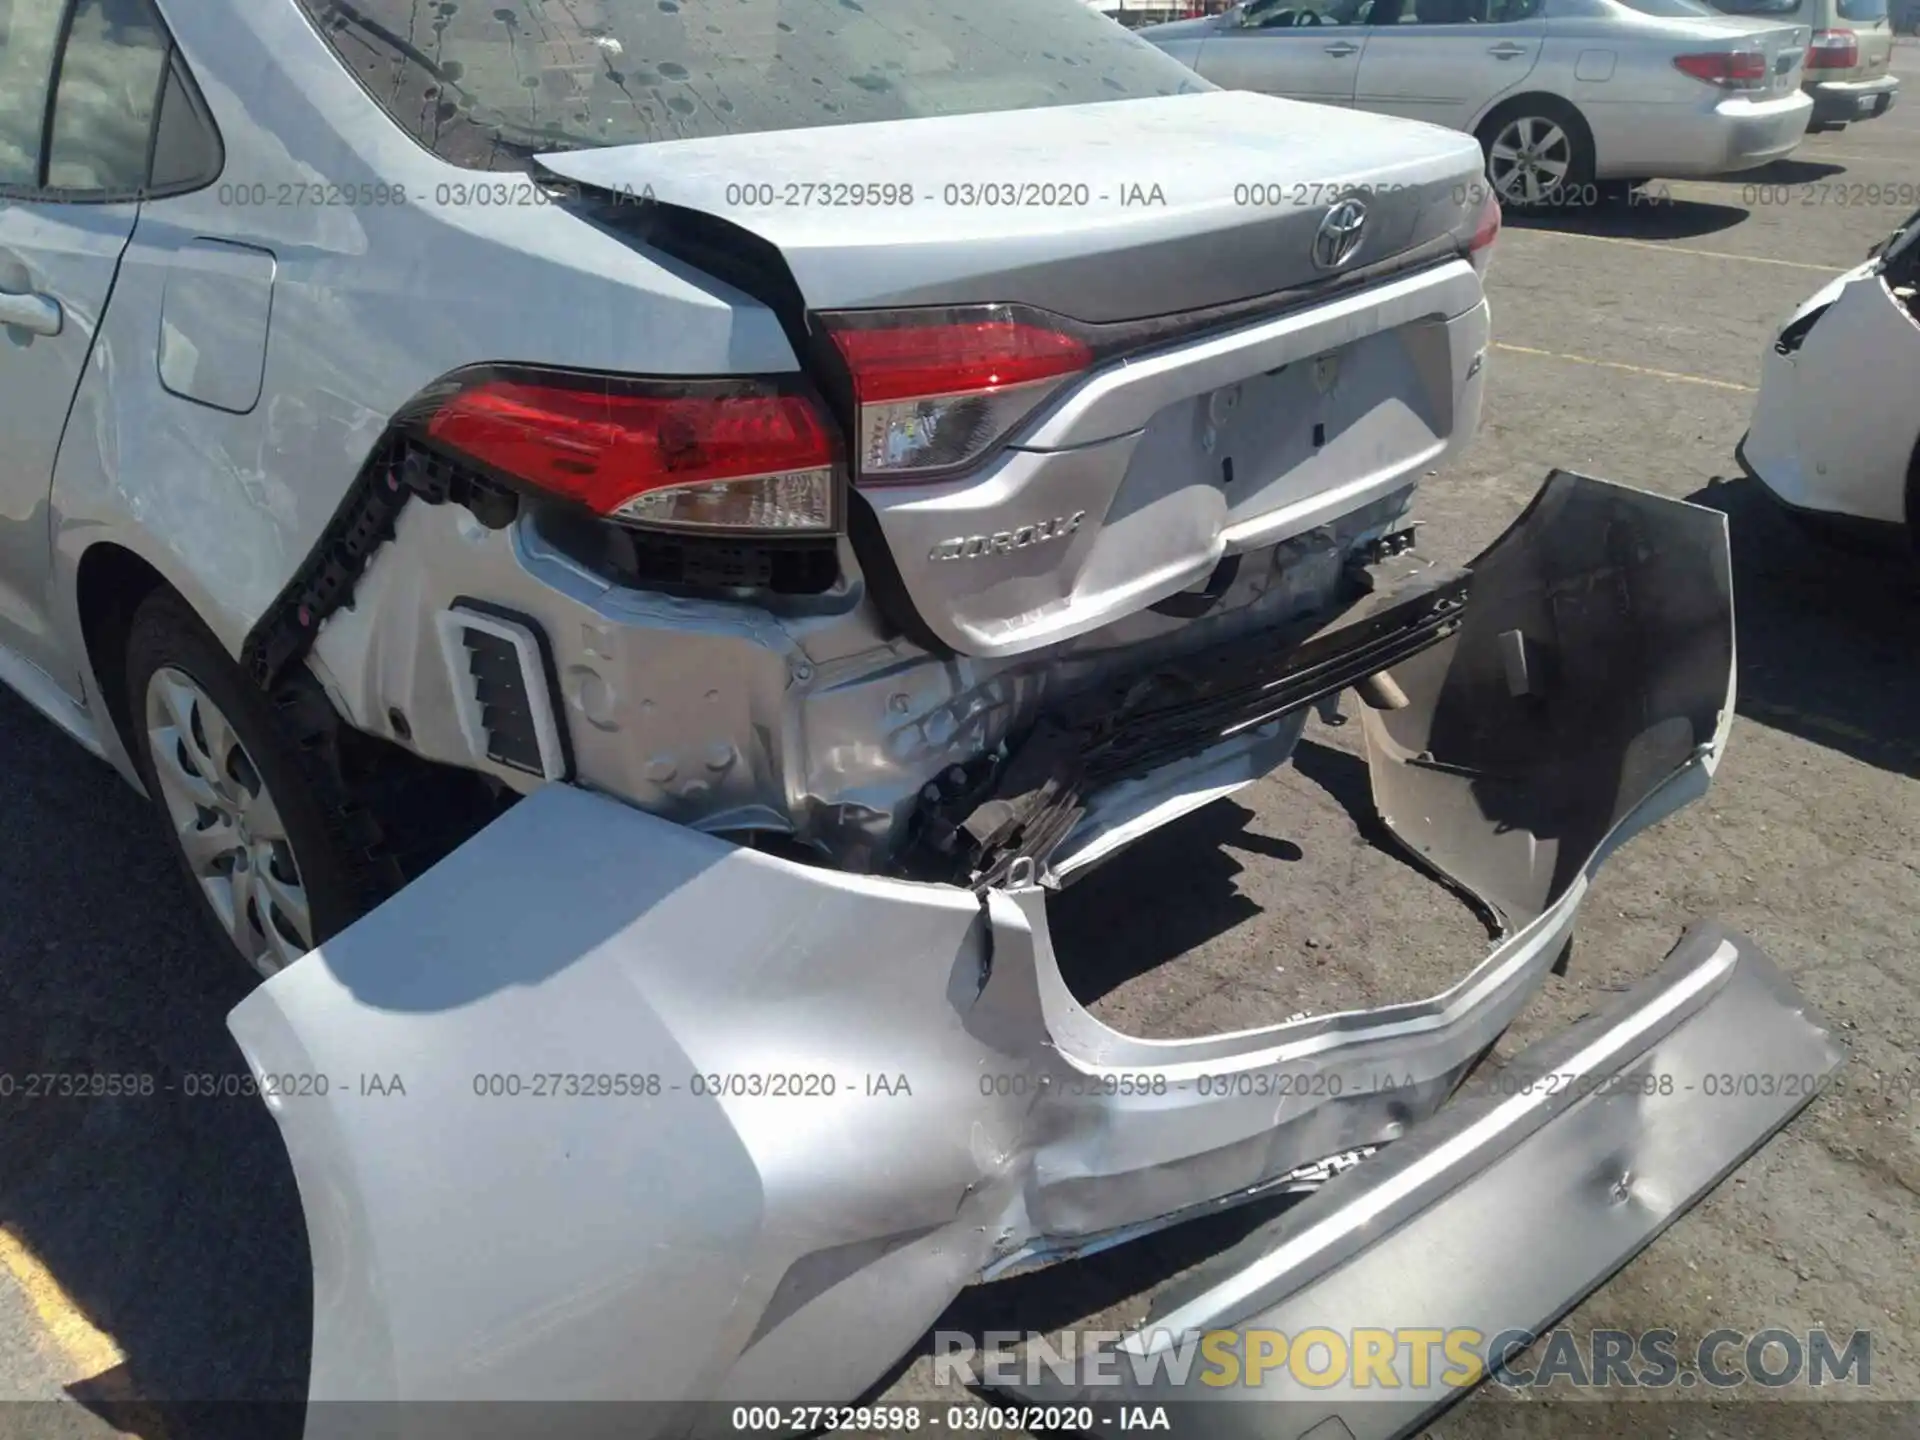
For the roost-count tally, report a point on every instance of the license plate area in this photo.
(1325, 423)
(1275, 440)
(1273, 444)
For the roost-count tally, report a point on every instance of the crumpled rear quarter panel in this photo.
(476, 1246)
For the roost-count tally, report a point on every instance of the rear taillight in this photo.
(939, 389)
(1485, 232)
(1729, 69)
(1833, 50)
(733, 456)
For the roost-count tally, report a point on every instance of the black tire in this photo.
(1576, 188)
(292, 741)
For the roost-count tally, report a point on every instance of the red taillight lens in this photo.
(1729, 69)
(734, 456)
(1480, 247)
(912, 362)
(1833, 50)
(939, 389)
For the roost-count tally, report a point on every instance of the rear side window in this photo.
(29, 35)
(110, 76)
(485, 83)
(1758, 7)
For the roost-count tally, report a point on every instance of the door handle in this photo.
(1340, 49)
(40, 314)
(1507, 50)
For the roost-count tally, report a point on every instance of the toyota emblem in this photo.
(1339, 236)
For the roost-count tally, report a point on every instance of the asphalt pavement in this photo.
(151, 1246)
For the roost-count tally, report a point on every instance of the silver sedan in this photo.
(1562, 94)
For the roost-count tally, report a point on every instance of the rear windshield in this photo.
(1867, 10)
(484, 83)
(1757, 7)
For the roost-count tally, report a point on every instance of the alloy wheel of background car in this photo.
(1532, 161)
(226, 823)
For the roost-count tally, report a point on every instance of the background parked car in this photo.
(1562, 94)
(1135, 13)
(1848, 64)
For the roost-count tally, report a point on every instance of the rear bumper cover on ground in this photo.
(1497, 1216)
(640, 1062)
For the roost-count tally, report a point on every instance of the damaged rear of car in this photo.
(812, 1104)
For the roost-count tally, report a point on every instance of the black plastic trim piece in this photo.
(550, 668)
(978, 824)
(1795, 335)
(1192, 604)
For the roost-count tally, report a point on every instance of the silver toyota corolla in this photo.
(1562, 94)
(762, 492)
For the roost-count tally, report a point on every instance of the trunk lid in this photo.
(1268, 291)
(1102, 212)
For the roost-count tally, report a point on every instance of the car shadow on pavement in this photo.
(1652, 213)
(1790, 171)
(1825, 632)
(139, 1176)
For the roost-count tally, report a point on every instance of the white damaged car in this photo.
(634, 544)
(1835, 436)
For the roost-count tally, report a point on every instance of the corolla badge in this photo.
(1005, 542)
(1341, 230)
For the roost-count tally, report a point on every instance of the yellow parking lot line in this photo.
(89, 1350)
(1684, 250)
(1621, 365)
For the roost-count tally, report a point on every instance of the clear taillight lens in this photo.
(937, 390)
(734, 456)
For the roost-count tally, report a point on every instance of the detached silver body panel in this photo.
(685, 1121)
(1500, 1214)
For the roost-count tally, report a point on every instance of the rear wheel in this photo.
(1539, 156)
(265, 837)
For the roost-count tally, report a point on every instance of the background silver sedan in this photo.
(1562, 94)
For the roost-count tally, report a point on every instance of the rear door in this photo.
(1298, 49)
(68, 201)
(1446, 61)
